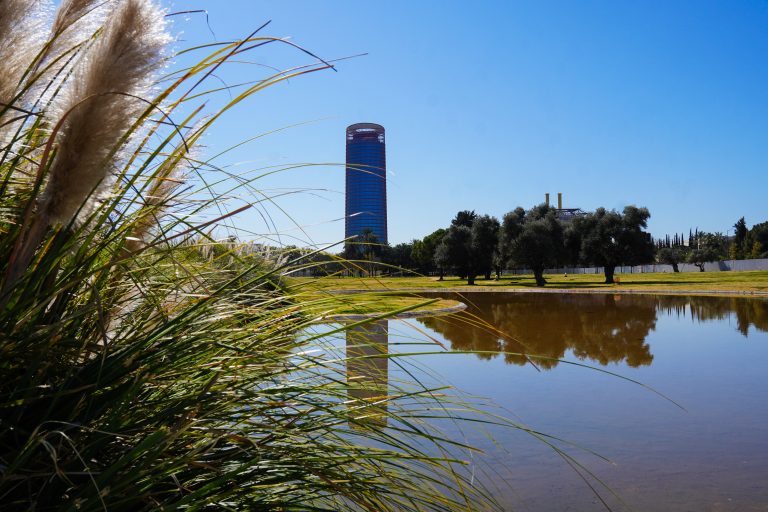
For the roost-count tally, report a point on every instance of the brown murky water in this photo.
(709, 355)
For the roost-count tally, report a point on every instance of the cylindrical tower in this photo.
(366, 187)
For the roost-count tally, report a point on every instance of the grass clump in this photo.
(146, 365)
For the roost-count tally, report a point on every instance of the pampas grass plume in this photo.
(21, 38)
(72, 11)
(158, 198)
(102, 102)
(101, 106)
(75, 22)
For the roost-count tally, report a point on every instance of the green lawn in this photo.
(326, 297)
(320, 299)
(695, 282)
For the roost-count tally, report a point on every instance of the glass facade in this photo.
(366, 197)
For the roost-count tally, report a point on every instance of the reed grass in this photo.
(144, 363)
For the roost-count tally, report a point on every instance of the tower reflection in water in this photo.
(367, 373)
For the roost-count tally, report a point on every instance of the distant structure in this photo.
(366, 187)
(564, 213)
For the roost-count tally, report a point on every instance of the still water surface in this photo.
(709, 355)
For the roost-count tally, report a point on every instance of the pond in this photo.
(672, 390)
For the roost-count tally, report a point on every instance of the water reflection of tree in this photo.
(602, 328)
(748, 311)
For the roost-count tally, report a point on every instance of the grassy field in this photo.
(699, 283)
(328, 306)
(387, 294)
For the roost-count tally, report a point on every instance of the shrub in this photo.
(146, 365)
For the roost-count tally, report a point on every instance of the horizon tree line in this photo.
(480, 245)
(703, 247)
(475, 245)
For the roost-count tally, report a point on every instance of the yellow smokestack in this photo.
(559, 200)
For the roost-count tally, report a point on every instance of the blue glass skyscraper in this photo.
(366, 203)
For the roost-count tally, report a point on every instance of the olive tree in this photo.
(700, 257)
(485, 239)
(538, 243)
(611, 239)
(468, 246)
(510, 229)
(441, 259)
(671, 256)
(423, 251)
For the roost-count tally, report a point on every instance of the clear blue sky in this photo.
(490, 104)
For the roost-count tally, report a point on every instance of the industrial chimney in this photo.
(559, 200)
(547, 198)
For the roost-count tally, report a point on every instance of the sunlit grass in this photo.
(697, 282)
(320, 302)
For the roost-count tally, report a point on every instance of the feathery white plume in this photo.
(75, 22)
(101, 105)
(22, 35)
(157, 200)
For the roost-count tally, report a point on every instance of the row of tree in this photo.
(702, 247)
(749, 243)
(480, 245)
(542, 237)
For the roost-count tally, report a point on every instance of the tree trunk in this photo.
(701, 266)
(471, 279)
(488, 275)
(675, 268)
(538, 274)
(441, 274)
(609, 271)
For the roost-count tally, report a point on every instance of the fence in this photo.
(716, 266)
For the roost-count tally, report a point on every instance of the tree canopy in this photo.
(485, 239)
(611, 239)
(423, 252)
(671, 256)
(457, 250)
(539, 240)
(469, 249)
